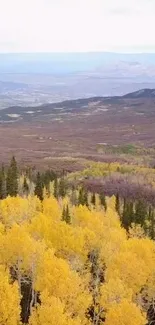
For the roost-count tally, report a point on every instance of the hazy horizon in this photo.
(79, 52)
(68, 26)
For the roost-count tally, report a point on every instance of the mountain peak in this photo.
(142, 93)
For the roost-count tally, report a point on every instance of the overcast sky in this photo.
(77, 25)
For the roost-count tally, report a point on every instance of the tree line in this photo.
(130, 210)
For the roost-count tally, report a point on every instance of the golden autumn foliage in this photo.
(18, 210)
(126, 313)
(86, 272)
(51, 312)
(9, 300)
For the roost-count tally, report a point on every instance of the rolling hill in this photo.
(86, 106)
(78, 128)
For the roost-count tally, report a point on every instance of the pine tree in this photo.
(56, 188)
(86, 198)
(140, 213)
(93, 199)
(151, 218)
(2, 183)
(63, 214)
(48, 177)
(128, 214)
(83, 197)
(80, 199)
(103, 200)
(39, 187)
(25, 186)
(68, 217)
(12, 178)
(62, 187)
(117, 206)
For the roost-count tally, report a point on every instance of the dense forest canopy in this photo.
(71, 256)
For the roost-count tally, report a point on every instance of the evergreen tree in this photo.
(25, 186)
(80, 199)
(56, 188)
(48, 177)
(62, 187)
(68, 217)
(93, 199)
(63, 214)
(2, 183)
(86, 198)
(12, 178)
(140, 213)
(103, 200)
(117, 206)
(151, 218)
(83, 197)
(39, 187)
(128, 214)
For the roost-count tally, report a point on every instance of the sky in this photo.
(77, 25)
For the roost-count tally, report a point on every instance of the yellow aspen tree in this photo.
(68, 241)
(18, 209)
(16, 251)
(55, 275)
(125, 313)
(113, 292)
(52, 208)
(51, 312)
(9, 300)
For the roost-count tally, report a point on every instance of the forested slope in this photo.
(64, 264)
(68, 255)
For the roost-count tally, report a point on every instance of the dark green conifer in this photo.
(93, 199)
(56, 188)
(3, 193)
(39, 187)
(140, 212)
(25, 187)
(80, 199)
(103, 200)
(86, 198)
(68, 217)
(128, 214)
(117, 206)
(12, 178)
(62, 187)
(64, 214)
(47, 177)
(151, 218)
(83, 197)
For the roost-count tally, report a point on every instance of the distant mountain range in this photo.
(33, 79)
(60, 63)
(69, 109)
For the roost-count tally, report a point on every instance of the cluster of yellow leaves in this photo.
(9, 300)
(51, 312)
(18, 210)
(41, 248)
(126, 313)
